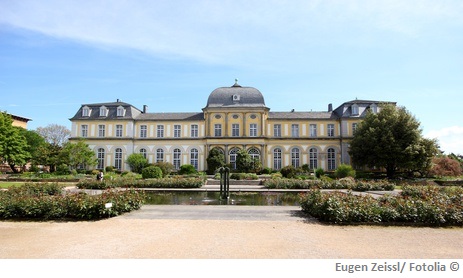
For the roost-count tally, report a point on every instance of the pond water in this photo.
(213, 198)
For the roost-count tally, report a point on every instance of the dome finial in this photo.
(236, 83)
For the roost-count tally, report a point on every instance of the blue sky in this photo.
(170, 55)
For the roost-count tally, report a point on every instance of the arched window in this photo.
(277, 159)
(295, 157)
(194, 154)
(232, 160)
(331, 159)
(176, 160)
(118, 159)
(254, 153)
(159, 155)
(100, 156)
(313, 158)
(143, 152)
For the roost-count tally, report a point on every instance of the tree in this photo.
(55, 134)
(245, 163)
(35, 145)
(389, 139)
(77, 154)
(13, 145)
(445, 166)
(137, 162)
(215, 160)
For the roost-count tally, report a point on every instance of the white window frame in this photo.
(143, 131)
(177, 131)
(118, 159)
(84, 130)
(217, 130)
(194, 158)
(119, 131)
(295, 130)
(159, 155)
(101, 158)
(235, 130)
(277, 130)
(313, 158)
(330, 130)
(160, 131)
(313, 130)
(176, 158)
(101, 130)
(194, 131)
(331, 159)
(295, 157)
(277, 159)
(253, 130)
(103, 111)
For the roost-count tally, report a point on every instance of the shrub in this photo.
(109, 169)
(187, 169)
(63, 169)
(431, 206)
(243, 176)
(166, 168)
(266, 171)
(288, 171)
(445, 166)
(46, 201)
(319, 172)
(344, 170)
(137, 162)
(151, 172)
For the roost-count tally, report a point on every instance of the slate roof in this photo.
(248, 97)
(300, 115)
(171, 116)
(131, 112)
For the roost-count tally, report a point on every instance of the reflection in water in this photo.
(213, 198)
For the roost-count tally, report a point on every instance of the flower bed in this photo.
(171, 182)
(47, 202)
(430, 206)
(345, 183)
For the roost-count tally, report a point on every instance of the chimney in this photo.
(118, 100)
(330, 107)
(145, 108)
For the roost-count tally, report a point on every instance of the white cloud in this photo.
(450, 139)
(226, 32)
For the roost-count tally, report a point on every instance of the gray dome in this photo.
(236, 96)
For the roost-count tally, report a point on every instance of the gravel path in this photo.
(216, 232)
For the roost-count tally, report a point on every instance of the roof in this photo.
(236, 96)
(131, 112)
(187, 116)
(299, 115)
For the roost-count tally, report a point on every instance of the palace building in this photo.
(234, 118)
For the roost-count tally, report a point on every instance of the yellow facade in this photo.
(234, 118)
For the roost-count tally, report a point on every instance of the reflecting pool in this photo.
(213, 198)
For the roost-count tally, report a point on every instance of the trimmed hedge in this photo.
(42, 202)
(171, 182)
(430, 206)
(345, 183)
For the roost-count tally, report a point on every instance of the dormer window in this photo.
(374, 108)
(85, 111)
(120, 111)
(236, 98)
(103, 111)
(355, 109)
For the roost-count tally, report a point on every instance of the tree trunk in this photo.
(390, 171)
(13, 168)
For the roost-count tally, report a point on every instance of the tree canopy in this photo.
(55, 134)
(75, 154)
(13, 145)
(391, 139)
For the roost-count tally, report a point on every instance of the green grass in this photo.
(6, 184)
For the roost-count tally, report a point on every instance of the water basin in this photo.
(213, 198)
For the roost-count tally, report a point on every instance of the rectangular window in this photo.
(103, 111)
(331, 130)
(85, 112)
(120, 111)
(295, 130)
(143, 131)
(84, 129)
(217, 130)
(313, 130)
(160, 131)
(253, 130)
(177, 131)
(118, 130)
(235, 130)
(101, 130)
(277, 130)
(194, 131)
